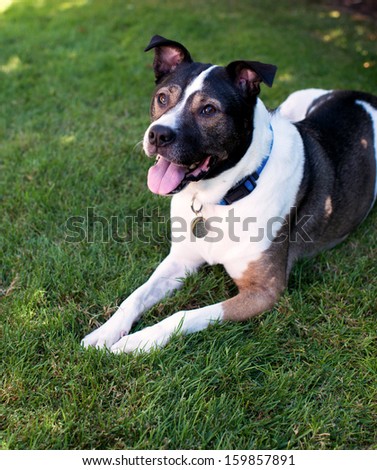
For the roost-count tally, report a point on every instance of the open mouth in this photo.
(165, 177)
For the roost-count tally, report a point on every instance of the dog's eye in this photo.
(162, 99)
(208, 110)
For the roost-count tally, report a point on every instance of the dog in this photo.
(252, 190)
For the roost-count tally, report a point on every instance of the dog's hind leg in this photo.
(260, 287)
(167, 278)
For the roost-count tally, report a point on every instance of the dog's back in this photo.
(339, 137)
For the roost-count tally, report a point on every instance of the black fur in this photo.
(340, 168)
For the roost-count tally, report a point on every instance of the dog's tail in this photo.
(300, 103)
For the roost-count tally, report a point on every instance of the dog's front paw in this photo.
(104, 336)
(142, 341)
(100, 338)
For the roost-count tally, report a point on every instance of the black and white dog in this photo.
(252, 190)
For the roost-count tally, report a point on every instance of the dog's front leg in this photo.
(167, 278)
(259, 290)
(158, 335)
(241, 307)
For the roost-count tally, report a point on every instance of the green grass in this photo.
(74, 97)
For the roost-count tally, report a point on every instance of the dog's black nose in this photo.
(161, 135)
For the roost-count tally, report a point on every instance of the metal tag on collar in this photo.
(199, 224)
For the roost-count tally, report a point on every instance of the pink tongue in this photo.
(164, 177)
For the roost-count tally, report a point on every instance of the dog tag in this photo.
(198, 227)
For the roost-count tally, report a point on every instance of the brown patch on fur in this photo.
(328, 206)
(172, 94)
(215, 124)
(201, 99)
(260, 285)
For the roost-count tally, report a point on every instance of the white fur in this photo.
(296, 106)
(373, 115)
(284, 169)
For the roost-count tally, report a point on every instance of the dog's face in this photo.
(202, 116)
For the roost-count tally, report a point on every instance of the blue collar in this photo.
(248, 184)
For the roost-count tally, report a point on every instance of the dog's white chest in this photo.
(236, 234)
(228, 234)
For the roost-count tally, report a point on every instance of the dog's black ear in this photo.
(167, 55)
(248, 75)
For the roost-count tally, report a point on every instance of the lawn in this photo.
(74, 97)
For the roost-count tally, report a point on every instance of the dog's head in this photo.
(202, 115)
